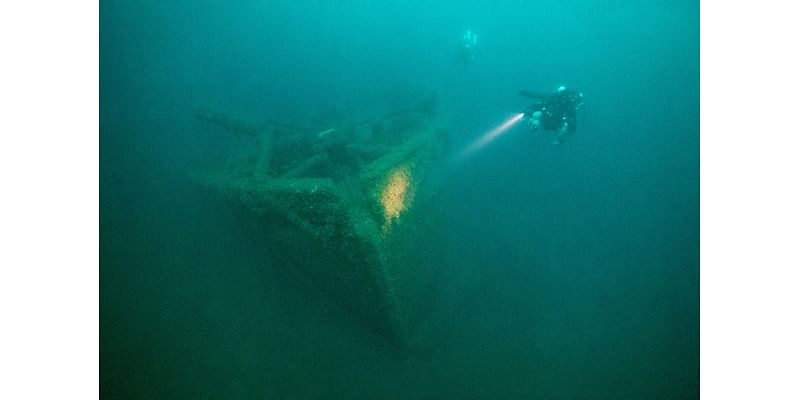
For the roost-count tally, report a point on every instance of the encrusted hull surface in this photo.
(353, 208)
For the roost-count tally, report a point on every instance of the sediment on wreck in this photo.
(354, 207)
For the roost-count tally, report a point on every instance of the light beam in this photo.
(491, 135)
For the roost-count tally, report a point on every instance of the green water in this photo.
(572, 271)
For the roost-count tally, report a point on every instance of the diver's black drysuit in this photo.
(557, 108)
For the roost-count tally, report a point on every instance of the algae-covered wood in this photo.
(353, 207)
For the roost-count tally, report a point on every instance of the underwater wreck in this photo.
(353, 207)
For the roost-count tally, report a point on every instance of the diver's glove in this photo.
(534, 119)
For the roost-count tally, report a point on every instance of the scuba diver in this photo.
(467, 49)
(554, 112)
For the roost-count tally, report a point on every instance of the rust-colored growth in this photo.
(395, 196)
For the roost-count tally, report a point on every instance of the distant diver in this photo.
(554, 112)
(468, 43)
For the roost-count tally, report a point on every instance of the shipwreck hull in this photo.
(354, 208)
